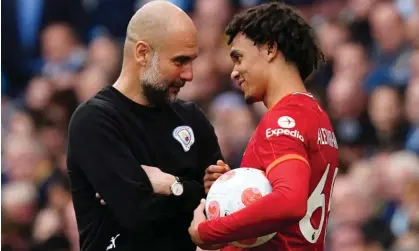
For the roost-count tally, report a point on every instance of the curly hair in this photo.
(278, 23)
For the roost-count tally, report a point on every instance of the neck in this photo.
(280, 85)
(130, 87)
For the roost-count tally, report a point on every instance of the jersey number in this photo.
(315, 201)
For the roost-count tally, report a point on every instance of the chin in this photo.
(172, 99)
(250, 100)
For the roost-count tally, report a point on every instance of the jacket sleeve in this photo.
(98, 148)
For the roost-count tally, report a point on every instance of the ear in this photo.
(142, 52)
(271, 50)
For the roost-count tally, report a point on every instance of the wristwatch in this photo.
(177, 187)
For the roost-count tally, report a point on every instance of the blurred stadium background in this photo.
(56, 54)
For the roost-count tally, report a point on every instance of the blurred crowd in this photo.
(57, 54)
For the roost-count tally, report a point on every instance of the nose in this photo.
(235, 75)
(187, 73)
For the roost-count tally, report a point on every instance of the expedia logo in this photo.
(277, 132)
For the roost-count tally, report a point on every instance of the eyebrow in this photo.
(184, 58)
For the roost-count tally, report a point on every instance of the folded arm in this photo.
(97, 146)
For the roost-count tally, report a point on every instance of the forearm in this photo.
(287, 202)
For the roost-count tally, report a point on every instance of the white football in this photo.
(235, 190)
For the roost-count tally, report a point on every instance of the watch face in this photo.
(177, 189)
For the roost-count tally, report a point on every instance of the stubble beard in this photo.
(155, 88)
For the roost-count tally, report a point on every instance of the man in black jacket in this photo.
(138, 146)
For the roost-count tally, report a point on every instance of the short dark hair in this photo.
(278, 23)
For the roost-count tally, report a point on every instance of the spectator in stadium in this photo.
(392, 52)
(38, 94)
(414, 65)
(331, 35)
(386, 110)
(346, 104)
(63, 54)
(19, 207)
(398, 173)
(104, 53)
(351, 61)
(413, 29)
(346, 237)
(412, 114)
(359, 24)
(24, 21)
(351, 204)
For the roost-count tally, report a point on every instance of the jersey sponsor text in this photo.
(279, 131)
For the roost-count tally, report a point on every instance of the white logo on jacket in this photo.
(112, 245)
(185, 136)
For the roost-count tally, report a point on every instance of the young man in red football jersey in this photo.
(274, 51)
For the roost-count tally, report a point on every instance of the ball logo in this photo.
(286, 122)
(250, 195)
(213, 210)
(227, 176)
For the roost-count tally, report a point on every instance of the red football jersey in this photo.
(297, 128)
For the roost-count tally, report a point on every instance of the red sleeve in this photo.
(281, 143)
(288, 201)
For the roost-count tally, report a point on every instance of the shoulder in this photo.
(102, 103)
(296, 110)
(293, 118)
(93, 112)
(88, 111)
